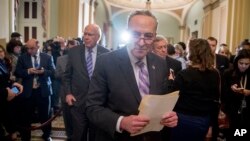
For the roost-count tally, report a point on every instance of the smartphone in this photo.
(15, 90)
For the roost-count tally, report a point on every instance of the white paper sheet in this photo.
(154, 106)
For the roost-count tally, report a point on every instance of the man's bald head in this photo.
(32, 46)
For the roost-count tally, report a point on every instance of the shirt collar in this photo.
(133, 59)
(94, 49)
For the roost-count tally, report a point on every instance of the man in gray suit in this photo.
(77, 77)
(60, 69)
(121, 78)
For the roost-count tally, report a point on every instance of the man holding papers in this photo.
(121, 79)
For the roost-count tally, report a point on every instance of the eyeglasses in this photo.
(147, 37)
(161, 47)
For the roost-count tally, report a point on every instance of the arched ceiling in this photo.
(155, 4)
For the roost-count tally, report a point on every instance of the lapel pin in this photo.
(153, 67)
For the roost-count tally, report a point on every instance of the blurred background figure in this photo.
(14, 51)
(17, 36)
(245, 44)
(224, 50)
(221, 62)
(60, 69)
(180, 55)
(237, 93)
(8, 119)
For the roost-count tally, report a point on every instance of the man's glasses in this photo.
(147, 37)
(161, 47)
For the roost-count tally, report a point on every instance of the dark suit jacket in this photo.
(4, 83)
(60, 69)
(173, 64)
(222, 63)
(24, 63)
(113, 91)
(76, 79)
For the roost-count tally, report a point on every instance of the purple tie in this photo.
(89, 62)
(143, 83)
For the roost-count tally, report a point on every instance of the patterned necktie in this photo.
(143, 83)
(89, 62)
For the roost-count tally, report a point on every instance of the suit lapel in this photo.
(42, 63)
(83, 60)
(30, 65)
(152, 73)
(128, 72)
(99, 50)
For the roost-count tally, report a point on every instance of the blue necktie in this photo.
(143, 83)
(89, 62)
(36, 64)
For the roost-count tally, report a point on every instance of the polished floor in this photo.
(58, 132)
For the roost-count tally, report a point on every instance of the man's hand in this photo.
(70, 99)
(36, 71)
(39, 71)
(31, 71)
(134, 123)
(169, 119)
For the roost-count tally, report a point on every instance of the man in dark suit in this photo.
(160, 48)
(60, 69)
(35, 69)
(77, 77)
(221, 62)
(121, 79)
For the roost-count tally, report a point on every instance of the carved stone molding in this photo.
(155, 4)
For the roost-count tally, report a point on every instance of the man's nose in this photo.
(141, 41)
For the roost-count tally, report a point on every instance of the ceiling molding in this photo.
(155, 4)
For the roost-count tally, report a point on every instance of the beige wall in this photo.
(68, 11)
(238, 22)
(53, 18)
(195, 13)
(219, 22)
(5, 14)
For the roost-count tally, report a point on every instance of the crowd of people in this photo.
(100, 90)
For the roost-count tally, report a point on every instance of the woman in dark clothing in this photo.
(5, 92)
(237, 92)
(199, 94)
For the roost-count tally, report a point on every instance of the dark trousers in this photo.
(55, 96)
(192, 128)
(67, 118)
(13, 112)
(80, 124)
(43, 105)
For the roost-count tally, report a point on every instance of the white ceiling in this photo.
(155, 4)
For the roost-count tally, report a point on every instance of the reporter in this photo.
(5, 89)
(237, 92)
